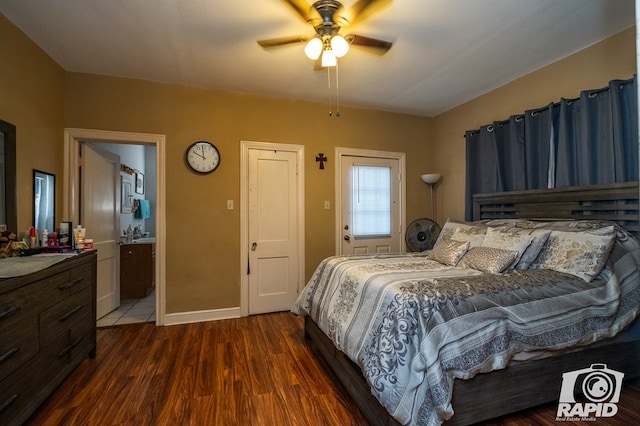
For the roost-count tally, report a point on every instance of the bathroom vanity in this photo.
(137, 268)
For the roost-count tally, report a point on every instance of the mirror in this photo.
(44, 201)
(8, 202)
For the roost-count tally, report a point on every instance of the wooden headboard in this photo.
(615, 202)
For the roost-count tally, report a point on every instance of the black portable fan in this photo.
(421, 234)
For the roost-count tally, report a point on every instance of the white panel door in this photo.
(100, 212)
(370, 219)
(273, 228)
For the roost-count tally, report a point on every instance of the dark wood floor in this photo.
(246, 371)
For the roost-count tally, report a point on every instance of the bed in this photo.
(449, 338)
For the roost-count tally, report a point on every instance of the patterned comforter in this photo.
(413, 324)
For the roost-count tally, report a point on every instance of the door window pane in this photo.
(371, 200)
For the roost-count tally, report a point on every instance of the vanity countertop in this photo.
(148, 240)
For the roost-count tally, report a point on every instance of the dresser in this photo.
(47, 327)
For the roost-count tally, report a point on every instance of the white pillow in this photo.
(474, 235)
(508, 239)
(582, 254)
(451, 225)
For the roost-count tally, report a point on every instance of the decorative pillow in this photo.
(451, 225)
(475, 235)
(448, 252)
(540, 237)
(511, 239)
(488, 259)
(583, 254)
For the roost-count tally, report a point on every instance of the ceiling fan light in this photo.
(313, 49)
(339, 46)
(329, 58)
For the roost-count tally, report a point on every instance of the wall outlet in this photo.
(229, 204)
(327, 204)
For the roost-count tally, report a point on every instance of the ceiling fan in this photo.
(327, 18)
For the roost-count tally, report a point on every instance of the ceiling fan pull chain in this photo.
(337, 92)
(329, 87)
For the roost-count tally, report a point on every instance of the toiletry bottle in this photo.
(33, 240)
(129, 234)
(45, 238)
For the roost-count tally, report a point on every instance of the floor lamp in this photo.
(431, 179)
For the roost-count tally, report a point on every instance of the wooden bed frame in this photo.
(523, 384)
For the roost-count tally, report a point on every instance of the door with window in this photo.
(371, 211)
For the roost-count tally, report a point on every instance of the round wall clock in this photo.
(203, 157)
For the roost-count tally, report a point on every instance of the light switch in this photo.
(229, 204)
(327, 205)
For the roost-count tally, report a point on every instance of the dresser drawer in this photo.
(68, 348)
(16, 307)
(67, 283)
(17, 346)
(17, 392)
(19, 338)
(60, 317)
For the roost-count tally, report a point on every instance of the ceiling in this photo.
(445, 52)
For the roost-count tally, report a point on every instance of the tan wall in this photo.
(32, 99)
(591, 68)
(203, 270)
(203, 246)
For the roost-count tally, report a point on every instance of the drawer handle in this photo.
(8, 402)
(9, 312)
(69, 348)
(8, 354)
(69, 313)
(69, 284)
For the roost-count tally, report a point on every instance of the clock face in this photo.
(203, 157)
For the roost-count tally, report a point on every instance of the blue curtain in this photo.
(510, 152)
(483, 176)
(585, 140)
(624, 103)
(589, 140)
(539, 157)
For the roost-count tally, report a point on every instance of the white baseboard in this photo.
(201, 316)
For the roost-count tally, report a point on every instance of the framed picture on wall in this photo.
(127, 195)
(139, 183)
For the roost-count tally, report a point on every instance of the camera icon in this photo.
(596, 384)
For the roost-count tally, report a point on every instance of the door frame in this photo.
(245, 147)
(71, 190)
(367, 153)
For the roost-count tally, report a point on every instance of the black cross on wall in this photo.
(320, 158)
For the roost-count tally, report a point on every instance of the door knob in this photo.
(347, 238)
(254, 246)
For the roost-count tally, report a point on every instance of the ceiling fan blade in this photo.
(377, 46)
(359, 11)
(305, 11)
(282, 41)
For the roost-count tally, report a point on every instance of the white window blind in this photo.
(371, 201)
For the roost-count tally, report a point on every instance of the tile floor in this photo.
(131, 311)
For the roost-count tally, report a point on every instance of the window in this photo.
(371, 201)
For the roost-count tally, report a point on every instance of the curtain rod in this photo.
(590, 93)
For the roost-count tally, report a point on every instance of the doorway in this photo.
(74, 138)
(272, 226)
(370, 201)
